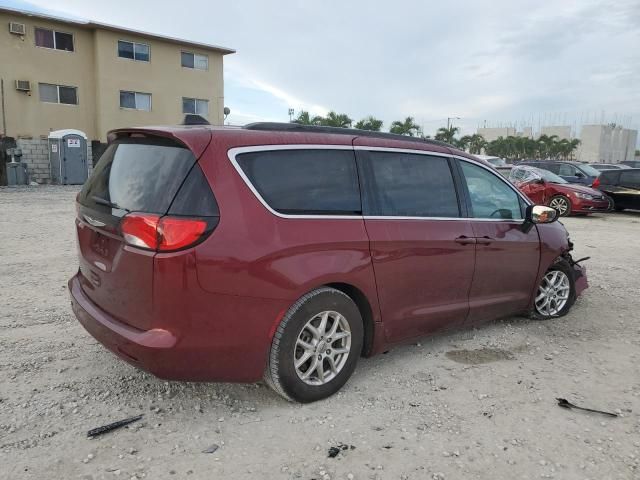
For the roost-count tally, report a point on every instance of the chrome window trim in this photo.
(235, 151)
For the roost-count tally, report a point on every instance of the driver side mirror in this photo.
(539, 181)
(538, 214)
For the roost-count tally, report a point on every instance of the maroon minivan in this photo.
(285, 252)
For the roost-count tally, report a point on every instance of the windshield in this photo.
(527, 174)
(589, 170)
(548, 176)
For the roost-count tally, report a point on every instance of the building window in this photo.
(52, 39)
(58, 94)
(135, 100)
(193, 60)
(195, 105)
(133, 51)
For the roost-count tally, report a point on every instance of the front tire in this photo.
(556, 293)
(562, 204)
(316, 346)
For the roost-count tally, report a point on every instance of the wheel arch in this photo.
(366, 311)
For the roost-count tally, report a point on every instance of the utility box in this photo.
(17, 174)
(68, 157)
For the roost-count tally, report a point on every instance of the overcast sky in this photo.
(499, 61)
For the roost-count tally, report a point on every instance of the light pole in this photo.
(291, 112)
(449, 120)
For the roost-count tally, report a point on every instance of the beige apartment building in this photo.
(65, 74)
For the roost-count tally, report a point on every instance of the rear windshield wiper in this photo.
(104, 201)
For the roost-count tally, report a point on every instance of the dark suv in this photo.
(572, 172)
(623, 186)
(286, 252)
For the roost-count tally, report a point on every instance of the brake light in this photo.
(176, 233)
(596, 183)
(162, 234)
(140, 230)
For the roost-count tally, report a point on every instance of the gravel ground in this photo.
(473, 404)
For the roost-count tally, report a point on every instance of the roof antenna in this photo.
(193, 119)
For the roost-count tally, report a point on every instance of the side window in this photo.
(305, 181)
(490, 196)
(610, 178)
(630, 179)
(566, 170)
(409, 185)
(552, 167)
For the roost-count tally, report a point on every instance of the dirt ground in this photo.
(472, 404)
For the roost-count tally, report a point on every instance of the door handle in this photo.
(464, 240)
(484, 240)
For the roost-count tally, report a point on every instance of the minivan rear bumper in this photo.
(195, 353)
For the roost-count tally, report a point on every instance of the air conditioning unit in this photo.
(23, 85)
(17, 28)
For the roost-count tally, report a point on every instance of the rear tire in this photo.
(557, 285)
(562, 204)
(316, 346)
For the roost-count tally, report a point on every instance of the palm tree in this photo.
(474, 143)
(303, 118)
(464, 142)
(406, 127)
(546, 145)
(334, 119)
(369, 123)
(574, 144)
(447, 134)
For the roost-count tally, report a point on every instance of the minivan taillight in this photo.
(596, 183)
(163, 234)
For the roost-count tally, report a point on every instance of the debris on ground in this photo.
(211, 449)
(334, 451)
(112, 426)
(564, 403)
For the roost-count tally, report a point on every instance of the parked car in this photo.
(546, 188)
(495, 161)
(623, 186)
(631, 163)
(572, 172)
(608, 166)
(504, 171)
(286, 252)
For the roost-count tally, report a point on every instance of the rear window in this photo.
(609, 178)
(137, 176)
(305, 181)
(411, 185)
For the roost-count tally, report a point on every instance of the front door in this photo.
(422, 248)
(571, 174)
(507, 257)
(74, 160)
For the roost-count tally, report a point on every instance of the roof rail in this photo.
(297, 127)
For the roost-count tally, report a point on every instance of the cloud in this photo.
(499, 60)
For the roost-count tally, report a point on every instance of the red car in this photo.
(546, 188)
(286, 252)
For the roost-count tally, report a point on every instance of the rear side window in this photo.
(609, 178)
(409, 185)
(137, 177)
(305, 181)
(566, 170)
(552, 167)
(630, 179)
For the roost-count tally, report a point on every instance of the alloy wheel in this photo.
(322, 348)
(553, 293)
(561, 204)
